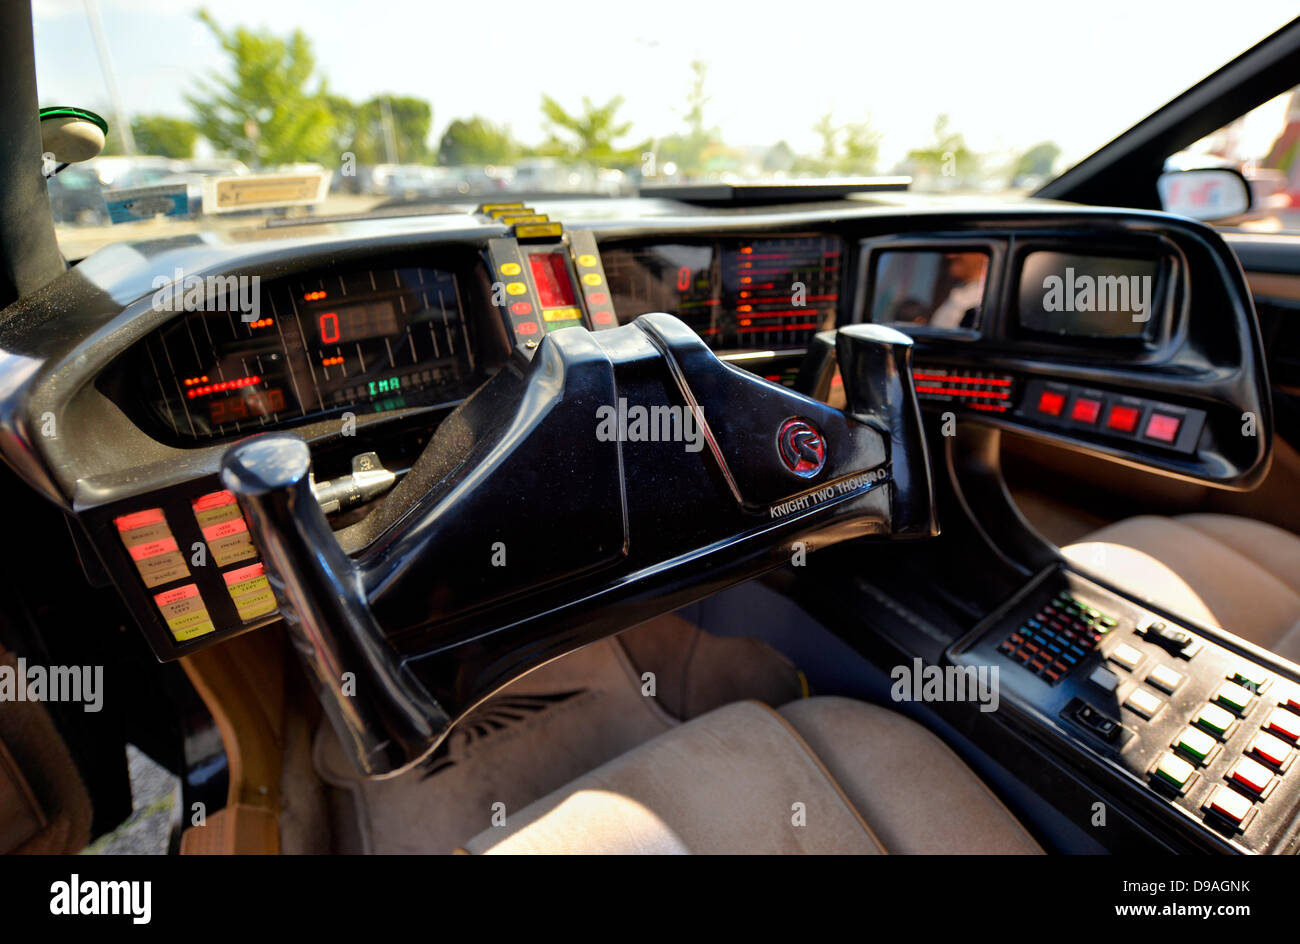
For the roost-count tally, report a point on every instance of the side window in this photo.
(1264, 144)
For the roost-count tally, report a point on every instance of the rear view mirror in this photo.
(1209, 193)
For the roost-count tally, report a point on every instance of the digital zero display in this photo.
(347, 323)
(1077, 295)
(360, 340)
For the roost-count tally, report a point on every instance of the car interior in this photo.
(725, 518)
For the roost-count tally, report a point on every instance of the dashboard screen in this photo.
(929, 287)
(1088, 296)
(737, 294)
(362, 340)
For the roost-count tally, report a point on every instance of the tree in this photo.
(162, 134)
(476, 141)
(268, 107)
(591, 135)
(948, 156)
(387, 129)
(1038, 161)
(845, 149)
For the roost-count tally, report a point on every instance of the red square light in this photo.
(1162, 427)
(1122, 418)
(1051, 403)
(1085, 410)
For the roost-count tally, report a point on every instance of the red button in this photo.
(1266, 747)
(1122, 418)
(1163, 428)
(526, 327)
(1227, 802)
(1085, 410)
(602, 317)
(597, 298)
(1051, 403)
(1284, 724)
(1252, 775)
(522, 308)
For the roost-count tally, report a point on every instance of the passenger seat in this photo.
(1237, 573)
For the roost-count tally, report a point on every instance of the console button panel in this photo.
(1196, 726)
(1109, 415)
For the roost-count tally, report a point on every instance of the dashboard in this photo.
(1127, 335)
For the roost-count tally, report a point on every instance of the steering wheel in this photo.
(612, 477)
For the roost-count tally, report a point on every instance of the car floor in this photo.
(539, 733)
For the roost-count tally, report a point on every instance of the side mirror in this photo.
(1208, 193)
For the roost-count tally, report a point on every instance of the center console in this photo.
(1204, 729)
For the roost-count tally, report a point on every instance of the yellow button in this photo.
(586, 259)
(591, 278)
(510, 268)
(516, 288)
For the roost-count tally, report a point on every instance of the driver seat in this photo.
(821, 775)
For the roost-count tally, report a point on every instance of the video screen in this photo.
(928, 287)
(1088, 296)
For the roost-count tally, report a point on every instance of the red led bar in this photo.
(224, 385)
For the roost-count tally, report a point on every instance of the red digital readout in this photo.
(551, 276)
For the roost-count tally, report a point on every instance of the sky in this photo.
(1009, 74)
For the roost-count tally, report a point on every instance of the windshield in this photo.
(336, 107)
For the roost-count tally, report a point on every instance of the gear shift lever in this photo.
(389, 721)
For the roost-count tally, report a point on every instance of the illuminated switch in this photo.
(1196, 744)
(1252, 775)
(510, 268)
(1284, 724)
(1270, 749)
(1123, 419)
(1215, 720)
(1229, 804)
(1233, 697)
(1248, 675)
(1126, 656)
(1085, 410)
(1174, 771)
(1143, 702)
(1164, 678)
(1162, 427)
(1051, 403)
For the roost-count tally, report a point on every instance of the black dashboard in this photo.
(363, 336)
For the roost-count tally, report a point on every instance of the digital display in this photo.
(360, 339)
(551, 276)
(242, 406)
(1076, 295)
(736, 294)
(928, 287)
(344, 324)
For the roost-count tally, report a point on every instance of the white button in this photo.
(1143, 702)
(1105, 678)
(1125, 655)
(1164, 678)
(1174, 769)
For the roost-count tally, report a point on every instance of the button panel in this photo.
(1110, 415)
(1205, 728)
(1056, 637)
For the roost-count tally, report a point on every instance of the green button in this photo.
(1109, 622)
(1214, 719)
(1251, 677)
(1195, 744)
(1233, 696)
(1174, 770)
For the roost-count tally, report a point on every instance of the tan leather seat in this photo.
(822, 775)
(1237, 573)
